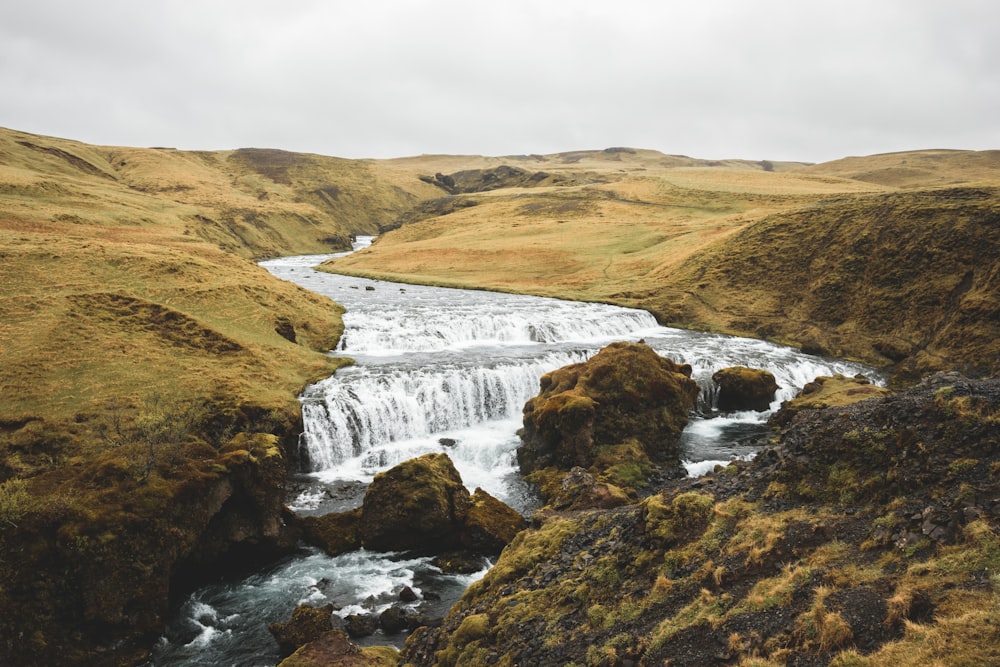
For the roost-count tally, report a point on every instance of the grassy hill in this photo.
(150, 371)
(892, 259)
(150, 367)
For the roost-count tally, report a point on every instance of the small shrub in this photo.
(15, 501)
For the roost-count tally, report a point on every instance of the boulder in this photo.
(490, 524)
(626, 391)
(306, 624)
(742, 388)
(335, 533)
(420, 504)
(579, 491)
(335, 649)
(361, 625)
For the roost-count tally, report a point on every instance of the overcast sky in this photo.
(754, 79)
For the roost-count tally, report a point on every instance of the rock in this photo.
(306, 624)
(284, 328)
(458, 562)
(407, 595)
(361, 625)
(824, 392)
(742, 388)
(396, 618)
(335, 533)
(490, 524)
(419, 504)
(581, 491)
(625, 391)
(335, 649)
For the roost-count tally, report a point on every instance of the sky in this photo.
(751, 79)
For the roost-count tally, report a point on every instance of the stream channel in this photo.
(442, 370)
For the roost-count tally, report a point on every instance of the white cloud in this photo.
(775, 79)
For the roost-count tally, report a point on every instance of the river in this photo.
(442, 370)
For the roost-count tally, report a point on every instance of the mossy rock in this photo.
(490, 524)
(335, 649)
(826, 392)
(579, 491)
(625, 391)
(742, 388)
(306, 624)
(335, 533)
(420, 504)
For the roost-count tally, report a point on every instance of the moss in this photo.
(678, 518)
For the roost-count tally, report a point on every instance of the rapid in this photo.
(443, 370)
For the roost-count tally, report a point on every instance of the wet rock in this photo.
(396, 619)
(361, 625)
(335, 533)
(626, 391)
(408, 595)
(742, 388)
(306, 624)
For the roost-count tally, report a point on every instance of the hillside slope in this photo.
(840, 258)
(150, 372)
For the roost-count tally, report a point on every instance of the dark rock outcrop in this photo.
(489, 524)
(626, 391)
(742, 388)
(857, 520)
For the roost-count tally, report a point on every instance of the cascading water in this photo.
(444, 370)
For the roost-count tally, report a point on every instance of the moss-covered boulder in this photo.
(742, 388)
(625, 391)
(490, 524)
(579, 490)
(306, 624)
(422, 505)
(419, 504)
(335, 533)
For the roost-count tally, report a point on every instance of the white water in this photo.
(445, 370)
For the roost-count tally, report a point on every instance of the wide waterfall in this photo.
(444, 370)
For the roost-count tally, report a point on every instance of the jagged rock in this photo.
(408, 595)
(625, 391)
(489, 524)
(396, 618)
(742, 388)
(306, 624)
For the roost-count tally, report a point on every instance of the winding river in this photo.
(442, 370)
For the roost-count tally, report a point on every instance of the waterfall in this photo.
(362, 409)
